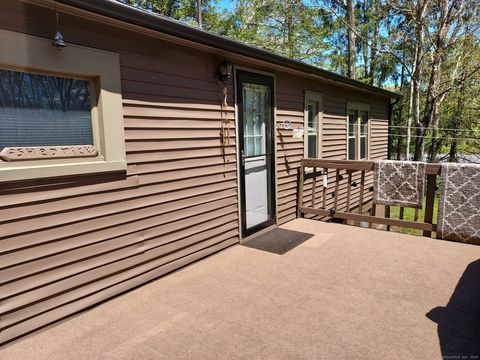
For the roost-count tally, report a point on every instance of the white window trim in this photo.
(315, 97)
(357, 106)
(24, 52)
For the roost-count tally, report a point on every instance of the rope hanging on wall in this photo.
(225, 132)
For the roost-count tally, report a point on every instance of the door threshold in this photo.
(258, 233)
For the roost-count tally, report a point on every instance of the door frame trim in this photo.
(243, 233)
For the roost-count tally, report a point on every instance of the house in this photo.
(146, 144)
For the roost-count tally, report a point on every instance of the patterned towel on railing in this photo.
(459, 203)
(399, 183)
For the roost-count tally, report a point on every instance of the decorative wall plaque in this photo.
(47, 152)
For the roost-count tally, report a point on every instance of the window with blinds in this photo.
(44, 110)
(59, 115)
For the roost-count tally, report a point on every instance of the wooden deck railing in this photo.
(324, 200)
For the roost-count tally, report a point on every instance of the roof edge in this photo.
(157, 22)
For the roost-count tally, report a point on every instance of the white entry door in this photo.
(255, 104)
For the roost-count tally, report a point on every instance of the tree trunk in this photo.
(453, 155)
(365, 39)
(200, 17)
(417, 77)
(433, 99)
(373, 53)
(351, 39)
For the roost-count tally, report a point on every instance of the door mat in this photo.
(278, 241)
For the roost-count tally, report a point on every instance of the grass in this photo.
(409, 214)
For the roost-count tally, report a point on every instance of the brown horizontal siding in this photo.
(114, 263)
(67, 246)
(70, 244)
(132, 278)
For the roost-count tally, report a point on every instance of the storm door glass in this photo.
(256, 117)
(257, 154)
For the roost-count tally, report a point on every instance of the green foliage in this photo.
(289, 27)
(409, 214)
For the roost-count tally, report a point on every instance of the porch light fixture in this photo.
(225, 69)
(58, 41)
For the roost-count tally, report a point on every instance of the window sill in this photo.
(18, 173)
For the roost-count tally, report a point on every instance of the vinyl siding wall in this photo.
(68, 244)
(333, 128)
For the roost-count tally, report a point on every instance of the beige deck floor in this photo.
(346, 293)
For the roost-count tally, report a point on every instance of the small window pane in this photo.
(259, 145)
(363, 147)
(43, 110)
(352, 119)
(364, 122)
(248, 123)
(312, 146)
(351, 149)
(312, 129)
(249, 146)
(312, 117)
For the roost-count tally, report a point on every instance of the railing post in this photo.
(431, 185)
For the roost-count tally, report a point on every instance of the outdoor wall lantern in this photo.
(225, 69)
(58, 41)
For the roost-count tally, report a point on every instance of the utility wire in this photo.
(437, 137)
(406, 127)
(418, 127)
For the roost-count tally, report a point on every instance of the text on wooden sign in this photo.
(47, 152)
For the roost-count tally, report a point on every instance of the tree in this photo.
(351, 39)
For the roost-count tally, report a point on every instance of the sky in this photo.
(225, 5)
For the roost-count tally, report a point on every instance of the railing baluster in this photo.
(362, 183)
(387, 215)
(337, 180)
(314, 185)
(324, 195)
(431, 184)
(402, 209)
(415, 218)
(372, 213)
(349, 189)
